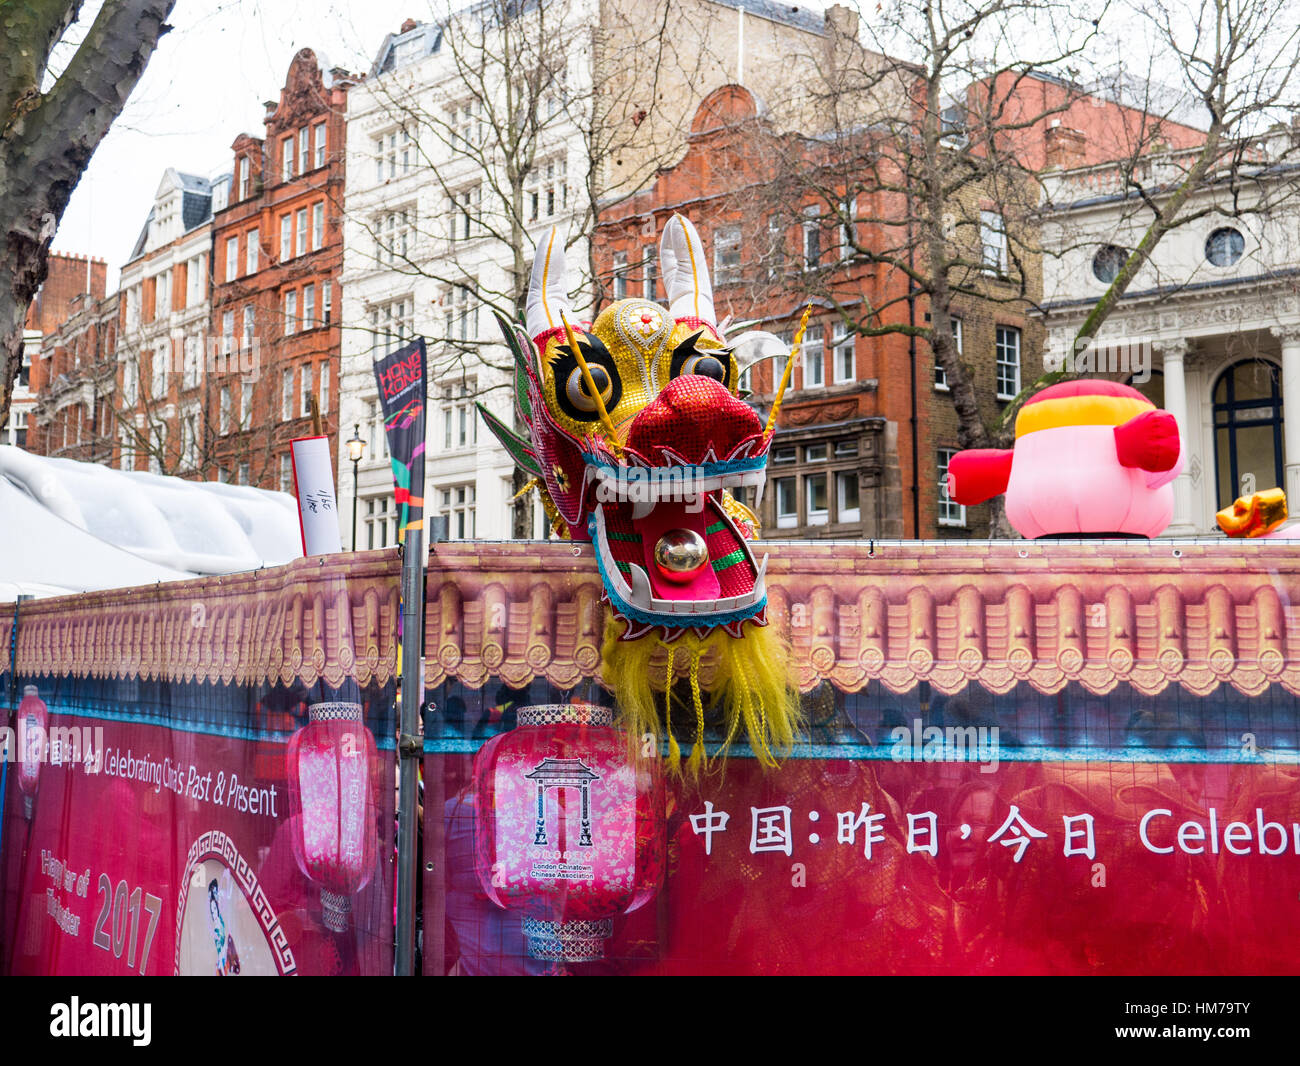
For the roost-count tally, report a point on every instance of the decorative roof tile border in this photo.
(326, 617)
(1101, 613)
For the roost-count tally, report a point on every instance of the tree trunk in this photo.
(46, 141)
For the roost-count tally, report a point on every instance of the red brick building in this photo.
(867, 427)
(277, 254)
(836, 467)
(74, 378)
(70, 279)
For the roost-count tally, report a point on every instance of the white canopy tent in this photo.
(67, 526)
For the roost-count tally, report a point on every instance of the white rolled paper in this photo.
(318, 509)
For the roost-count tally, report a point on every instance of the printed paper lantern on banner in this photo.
(1093, 458)
(33, 728)
(569, 827)
(330, 764)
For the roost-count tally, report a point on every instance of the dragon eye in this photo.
(706, 366)
(575, 388)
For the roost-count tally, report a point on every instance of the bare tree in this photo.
(1234, 62)
(49, 132)
(920, 174)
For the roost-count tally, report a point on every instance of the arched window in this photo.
(1248, 429)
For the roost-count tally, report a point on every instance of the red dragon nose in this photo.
(692, 415)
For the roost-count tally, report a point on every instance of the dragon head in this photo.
(636, 438)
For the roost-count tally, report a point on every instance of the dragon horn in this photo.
(686, 272)
(548, 288)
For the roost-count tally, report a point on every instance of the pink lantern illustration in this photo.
(569, 827)
(33, 728)
(330, 764)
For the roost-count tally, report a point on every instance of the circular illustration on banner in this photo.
(219, 933)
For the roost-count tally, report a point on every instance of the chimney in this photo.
(842, 21)
(408, 26)
(1065, 147)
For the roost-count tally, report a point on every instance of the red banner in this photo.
(198, 789)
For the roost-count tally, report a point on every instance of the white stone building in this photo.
(428, 240)
(165, 313)
(1214, 317)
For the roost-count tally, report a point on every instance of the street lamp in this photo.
(356, 449)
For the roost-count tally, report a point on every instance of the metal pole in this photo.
(410, 747)
(354, 503)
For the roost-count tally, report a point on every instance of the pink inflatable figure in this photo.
(1091, 459)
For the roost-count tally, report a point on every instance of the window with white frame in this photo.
(547, 191)
(457, 506)
(323, 391)
(196, 280)
(245, 407)
(814, 358)
(848, 228)
(812, 239)
(461, 314)
(466, 121)
(993, 241)
(251, 250)
(393, 322)
(844, 355)
(301, 220)
(286, 158)
(286, 473)
(163, 294)
(381, 523)
(774, 255)
(245, 185)
(464, 211)
(726, 255)
(286, 237)
(620, 276)
(248, 326)
(318, 132)
(190, 440)
(745, 382)
(192, 354)
(304, 151)
(378, 438)
(1007, 351)
(232, 258)
(309, 307)
(291, 312)
(129, 383)
(951, 513)
(394, 154)
(307, 390)
(326, 302)
(227, 332)
(847, 502)
(318, 226)
(787, 502)
(158, 366)
(941, 375)
(650, 273)
(126, 458)
(459, 421)
(286, 395)
(393, 236)
(245, 477)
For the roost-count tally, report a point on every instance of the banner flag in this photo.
(402, 382)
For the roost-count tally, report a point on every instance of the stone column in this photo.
(1289, 335)
(1173, 354)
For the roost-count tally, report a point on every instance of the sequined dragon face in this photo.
(637, 438)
